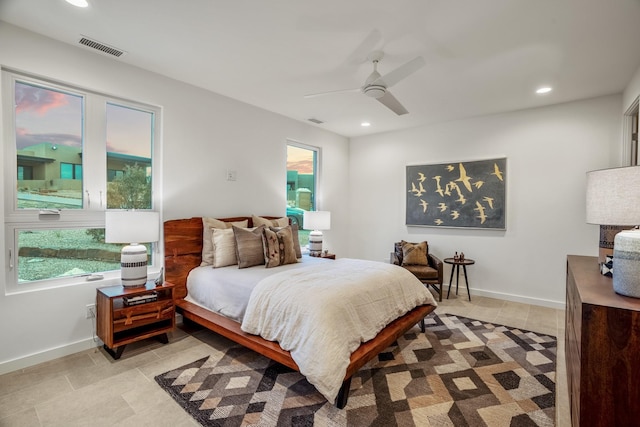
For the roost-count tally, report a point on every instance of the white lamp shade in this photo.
(317, 220)
(131, 226)
(613, 196)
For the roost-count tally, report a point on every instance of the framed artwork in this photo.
(457, 194)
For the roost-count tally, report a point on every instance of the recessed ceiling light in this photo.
(78, 3)
(543, 90)
(365, 124)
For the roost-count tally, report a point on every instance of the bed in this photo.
(183, 243)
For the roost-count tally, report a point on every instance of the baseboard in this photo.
(517, 298)
(47, 355)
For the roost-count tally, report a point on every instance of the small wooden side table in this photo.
(455, 266)
(119, 324)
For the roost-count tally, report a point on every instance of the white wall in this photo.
(203, 135)
(548, 152)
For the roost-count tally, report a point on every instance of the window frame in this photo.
(94, 185)
(631, 153)
(316, 172)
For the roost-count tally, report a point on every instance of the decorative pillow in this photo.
(224, 247)
(280, 222)
(294, 236)
(414, 253)
(249, 246)
(207, 243)
(278, 246)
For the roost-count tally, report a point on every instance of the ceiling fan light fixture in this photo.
(375, 91)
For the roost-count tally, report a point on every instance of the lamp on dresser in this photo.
(316, 221)
(132, 227)
(613, 199)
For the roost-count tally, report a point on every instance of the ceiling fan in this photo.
(377, 86)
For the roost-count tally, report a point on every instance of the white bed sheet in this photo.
(226, 290)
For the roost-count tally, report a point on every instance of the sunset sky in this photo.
(44, 115)
(299, 159)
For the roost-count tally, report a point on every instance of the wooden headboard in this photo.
(183, 249)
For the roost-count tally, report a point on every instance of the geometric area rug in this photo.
(460, 372)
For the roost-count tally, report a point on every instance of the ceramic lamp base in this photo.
(133, 265)
(315, 243)
(626, 263)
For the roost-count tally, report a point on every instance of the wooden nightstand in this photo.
(119, 324)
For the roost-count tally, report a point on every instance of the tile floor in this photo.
(91, 389)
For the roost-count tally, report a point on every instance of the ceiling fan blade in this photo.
(313, 95)
(392, 103)
(401, 72)
(361, 52)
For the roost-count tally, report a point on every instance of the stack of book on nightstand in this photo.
(140, 299)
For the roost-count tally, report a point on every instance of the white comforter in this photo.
(322, 313)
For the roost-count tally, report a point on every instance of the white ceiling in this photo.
(482, 56)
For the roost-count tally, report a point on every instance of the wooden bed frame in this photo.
(183, 252)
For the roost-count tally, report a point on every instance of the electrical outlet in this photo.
(91, 311)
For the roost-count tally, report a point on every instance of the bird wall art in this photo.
(467, 194)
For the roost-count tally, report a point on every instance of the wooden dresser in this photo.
(602, 348)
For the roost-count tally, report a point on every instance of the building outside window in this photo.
(72, 154)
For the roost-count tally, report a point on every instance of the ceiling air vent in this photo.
(109, 50)
(316, 121)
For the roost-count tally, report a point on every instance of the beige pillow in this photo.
(280, 222)
(224, 247)
(414, 253)
(207, 243)
(278, 246)
(249, 246)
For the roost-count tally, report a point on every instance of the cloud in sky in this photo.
(38, 100)
(302, 166)
(25, 139)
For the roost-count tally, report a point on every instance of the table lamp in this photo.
(316, 221)
(132, 227)
(613, 198)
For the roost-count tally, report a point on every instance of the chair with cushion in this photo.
(416, 258)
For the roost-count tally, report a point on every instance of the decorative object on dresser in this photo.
(605, 252)
(316, 221)
(602, 343)
(127, 227)
(613, 198)
(126, 315)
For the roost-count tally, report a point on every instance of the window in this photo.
(302, 166)
(71, 154)
(70, 171)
